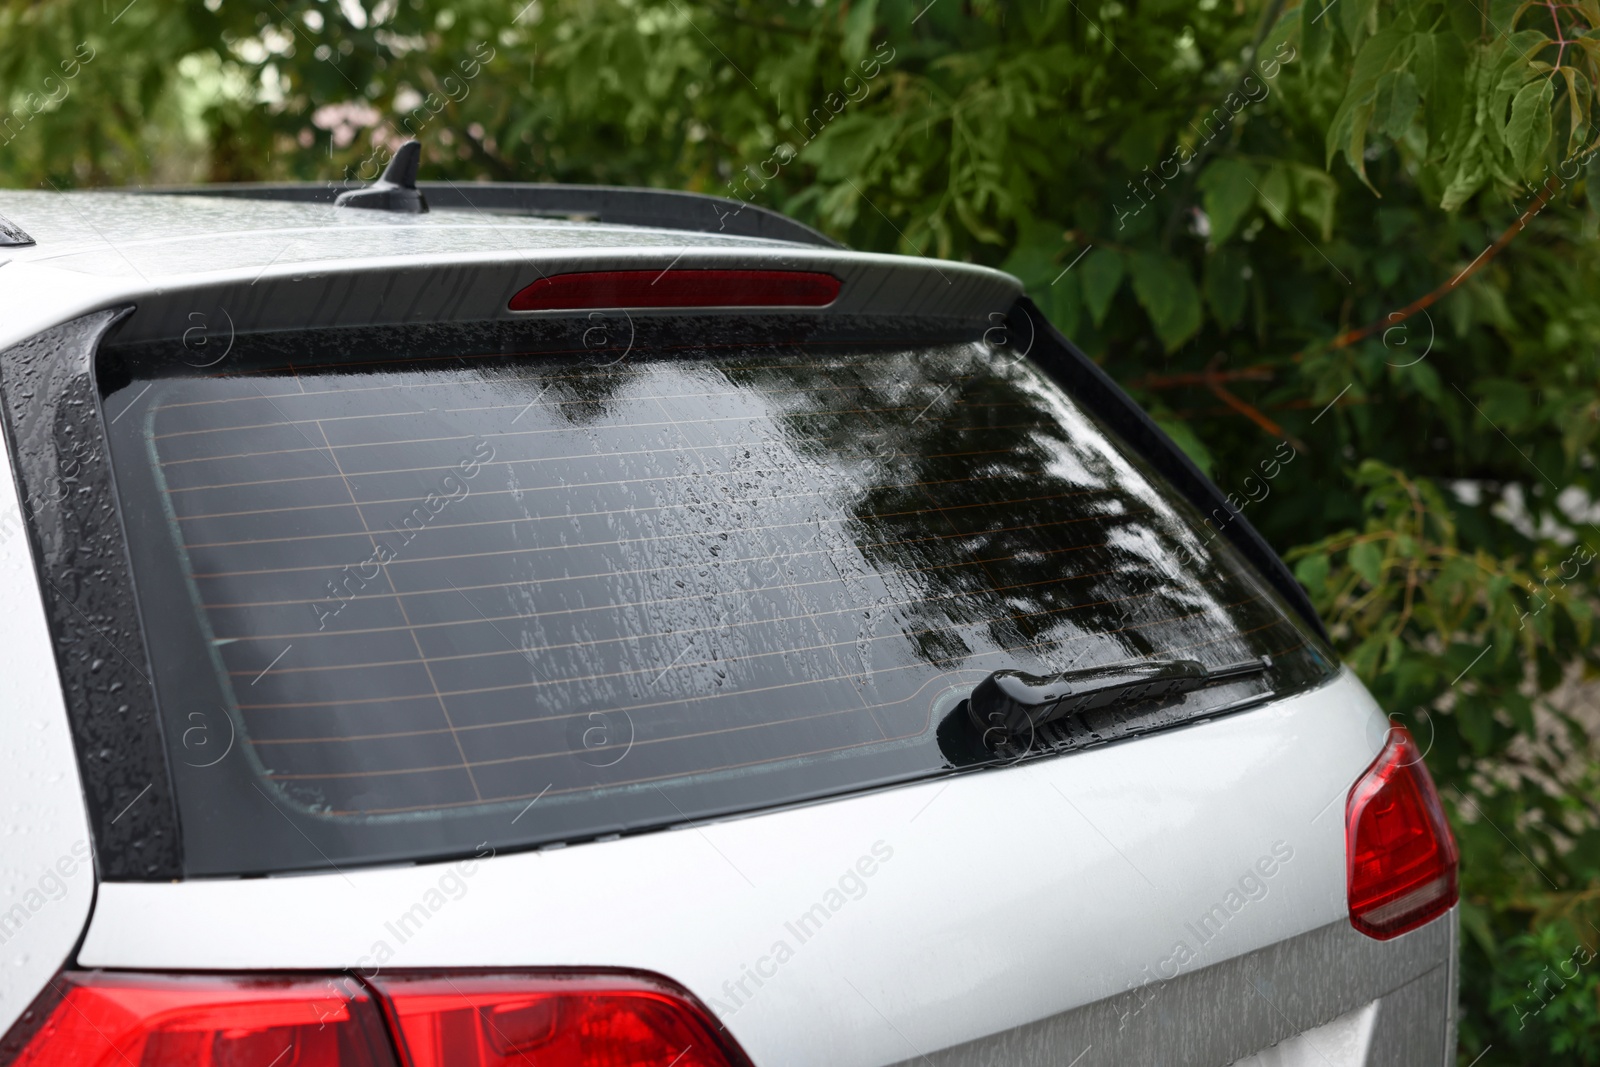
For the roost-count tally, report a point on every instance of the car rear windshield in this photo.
(403, 605)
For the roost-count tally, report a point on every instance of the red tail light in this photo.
(112, 1019)
(555, 1021)
(1401, 857)
(678, 289)
(104, 1019)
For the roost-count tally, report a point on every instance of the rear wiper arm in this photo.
(1010, 705)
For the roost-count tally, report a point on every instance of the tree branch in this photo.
(1253, 413)
(1212, 379)
(1350, 337)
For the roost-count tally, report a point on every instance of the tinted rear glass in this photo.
(403, 607)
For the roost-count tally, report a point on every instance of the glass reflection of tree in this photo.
(1006, 533)
(581, 393)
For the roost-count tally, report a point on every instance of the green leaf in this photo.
(1477, 722)
(1167, 293)
(1386, 265)
(1142, 141)
(1277, 195)
(1469, 175)
(1316, 31)
(1354, 17)
(1475, 921)
(1062, 303)
(1315, 195)
(1423, 378)
(1348, 131)
(1466, 20)
(1507, 403)
(1286, 30)
(1529, 131)
(1185, 439)
(1448, 106)
(1228, 195)
(1580, 95)
(1519, 708)
(1102, 275)
(1396, 103)
(1364, 659)
(858, 28)
(1312, 572)
(1033, 259)
(1226, 286)
(1366, 558)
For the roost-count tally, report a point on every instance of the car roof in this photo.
(270, 261)
(124, 234)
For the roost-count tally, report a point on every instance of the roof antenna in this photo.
(11, 233)
(396, 189)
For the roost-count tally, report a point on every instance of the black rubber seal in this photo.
(57, 439)
(1032, 334)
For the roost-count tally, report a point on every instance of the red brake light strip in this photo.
(677, 289)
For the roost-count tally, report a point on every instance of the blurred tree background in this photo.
(1362, 230)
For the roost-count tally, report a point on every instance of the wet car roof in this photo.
(131, 235)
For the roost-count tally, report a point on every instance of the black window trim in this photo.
(56, 436)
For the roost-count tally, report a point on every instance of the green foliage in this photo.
(1477, 97)
(1257, 191)
(1550, 985)
(1101, 277)
(1229, 188)
(1168, 295)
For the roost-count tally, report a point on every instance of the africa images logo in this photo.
(1253, 885)
(851, 885)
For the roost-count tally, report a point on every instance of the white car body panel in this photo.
(902, 970)
(34, 297)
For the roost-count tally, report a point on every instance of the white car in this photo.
(518, 624)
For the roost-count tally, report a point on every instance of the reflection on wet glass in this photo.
(436, 590)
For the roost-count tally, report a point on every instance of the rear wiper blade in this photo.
(1010, 705)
